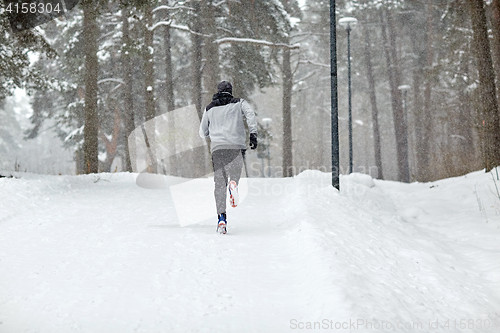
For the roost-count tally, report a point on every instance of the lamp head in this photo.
(348, 22)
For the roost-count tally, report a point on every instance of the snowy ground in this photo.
(97, 253)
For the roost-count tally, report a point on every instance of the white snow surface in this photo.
(97, 253)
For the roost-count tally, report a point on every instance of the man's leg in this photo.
(235, 165)
(227, 162)
(220, 179)
(233, 169)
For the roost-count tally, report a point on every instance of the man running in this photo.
(223, 123)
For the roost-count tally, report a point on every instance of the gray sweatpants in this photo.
(227, 165)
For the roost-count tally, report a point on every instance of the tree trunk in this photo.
(287, 110)
(287, 114)
(397, 105)
(402, 133)
(169, 83)
(169, 96)
(90, 132)
(149, 83)
(196, 61)
(211, 52)
(129, 116)
(373, 101)
(489, 107)
(111, 145)
(465, 123)
(424, 153)
(417, 73)
(202, 163)
(495, 27)
(148, 64)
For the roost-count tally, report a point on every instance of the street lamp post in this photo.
(348, 23)
(334, 119)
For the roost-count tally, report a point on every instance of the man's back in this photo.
(225, 124)
(223, 121)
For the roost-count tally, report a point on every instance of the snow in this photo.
(103, 55)
(5, 52)
(294, 21)
(253, 41)
(74, 132)
(97, 253)
(117, 80)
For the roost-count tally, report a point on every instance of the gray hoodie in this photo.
(224, 125)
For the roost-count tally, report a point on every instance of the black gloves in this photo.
(253, 140)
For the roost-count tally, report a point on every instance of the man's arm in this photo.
(204, 126)
(250, 116)
(251, 122)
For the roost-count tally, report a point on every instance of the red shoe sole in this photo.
(221, 228)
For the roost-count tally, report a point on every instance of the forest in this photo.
(425, 83)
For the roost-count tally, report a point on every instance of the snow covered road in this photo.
(97, 253)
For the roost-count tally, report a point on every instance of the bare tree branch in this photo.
(110, 80)
(163, 7)
(175, 26)
(255, 41)
(313, 63)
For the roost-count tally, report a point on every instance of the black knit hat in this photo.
(225, 86)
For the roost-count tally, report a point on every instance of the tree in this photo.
(422, 126)
(196, 58)
(8, 127)
(211, 71)
(373, 102)
(128, 114)
(15, 70)
(291, 9)
(425, 124)
(90, 35)
(169, 81)
(495, 47)
(248, 65)
(394, 74)
(489, 110)
(149, 73)
(287, 114)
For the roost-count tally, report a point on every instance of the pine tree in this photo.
(15, 70)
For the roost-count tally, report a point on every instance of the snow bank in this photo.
(357, 179)
(20, 191)
(402, 253)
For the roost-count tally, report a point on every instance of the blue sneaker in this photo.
(221, 226)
